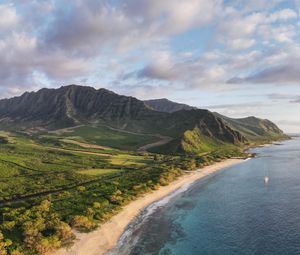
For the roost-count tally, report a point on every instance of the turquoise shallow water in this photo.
(231, 212)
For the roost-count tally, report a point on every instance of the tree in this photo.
(17, 252)
(83, 222)
(4, 243)
(52, 221)
(45, 206)
(32, 232)
(81, 188)
(90, 212)
(46, 244)
(64, 231)
(96, 205)
(8, 225)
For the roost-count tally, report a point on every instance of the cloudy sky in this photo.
(236, 57)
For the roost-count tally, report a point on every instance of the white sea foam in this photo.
(141, 218)
(128, 236)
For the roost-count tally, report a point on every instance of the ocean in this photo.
(230, 212)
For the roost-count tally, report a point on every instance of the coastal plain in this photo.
(79, 164)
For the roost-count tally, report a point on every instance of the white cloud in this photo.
(255, 5)
(276, 66)
(8, 17)
(282, 34)
(285, 14)
(234, 25)
(133, 39)
(171, 16)
(241, 43)
(162, 67)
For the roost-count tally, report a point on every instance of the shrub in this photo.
(81, 222)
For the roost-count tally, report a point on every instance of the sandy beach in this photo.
(107, 235)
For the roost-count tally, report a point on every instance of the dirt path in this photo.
(74, 151)
(86, 145)
(163, 140)
(64, 130)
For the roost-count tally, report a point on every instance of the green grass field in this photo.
(33, 168)
(104, 136)
(97, 172)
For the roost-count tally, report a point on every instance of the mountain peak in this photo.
(69, 105)
(82, 105)
(166, 105)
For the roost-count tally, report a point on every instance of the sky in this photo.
(235, 57)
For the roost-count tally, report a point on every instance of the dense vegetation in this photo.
(76, 155)
(48, 187)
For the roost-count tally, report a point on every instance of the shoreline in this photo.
(107, 235)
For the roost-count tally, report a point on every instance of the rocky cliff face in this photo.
(213, 126)
(251, 128)
(165, 105)
(176, 123)
(71, 105)
(75, 105)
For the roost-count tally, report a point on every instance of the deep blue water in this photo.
(231, 212)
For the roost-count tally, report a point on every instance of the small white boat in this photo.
(266, 179)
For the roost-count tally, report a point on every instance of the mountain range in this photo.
(192, 130)
(165, 105)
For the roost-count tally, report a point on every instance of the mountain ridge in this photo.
(74, 105)
(166, 105)
(251, 123)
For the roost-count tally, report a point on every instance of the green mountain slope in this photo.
(190, 130)
(254, 129)
(251, 128)
(165, 105)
